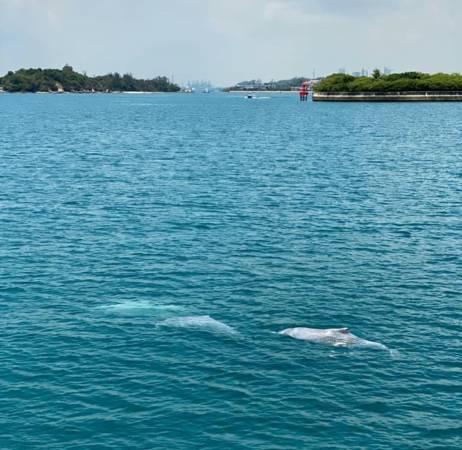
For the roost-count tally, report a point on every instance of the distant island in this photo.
(68, 80)
(257, 85)
(407, 86)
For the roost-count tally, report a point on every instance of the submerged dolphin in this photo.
(338, 337)
(200, 322)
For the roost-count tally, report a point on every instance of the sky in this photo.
(226, 41)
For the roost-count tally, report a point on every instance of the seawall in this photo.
(387, 96)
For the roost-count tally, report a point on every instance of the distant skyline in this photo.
(227, 41)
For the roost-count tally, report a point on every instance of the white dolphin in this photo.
(337, 337)
(201, 322)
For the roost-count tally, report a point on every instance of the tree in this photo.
(45, 80)
(376, 74)
(396, 82)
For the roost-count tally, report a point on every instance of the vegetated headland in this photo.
(407, 86)
(292, 84)
(68, 80)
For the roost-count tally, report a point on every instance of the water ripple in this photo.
(131, 234)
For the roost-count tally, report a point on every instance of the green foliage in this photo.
(376, 74)
(396, 82)
(282, 85)
(49, 80)
(337, 82)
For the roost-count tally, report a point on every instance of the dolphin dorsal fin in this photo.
(344, 330)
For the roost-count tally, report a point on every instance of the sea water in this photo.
(153, 246)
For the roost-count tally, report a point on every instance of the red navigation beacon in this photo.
(304, 91)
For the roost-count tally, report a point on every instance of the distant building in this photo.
(200, 85)
(341, 70)
(356, 74)
(364, 72)
(386, 71)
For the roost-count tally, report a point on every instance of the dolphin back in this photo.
(369, 344)
(337, 337)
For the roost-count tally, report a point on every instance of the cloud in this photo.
(227, 41)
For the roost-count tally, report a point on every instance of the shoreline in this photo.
(89, 92)
(387, 97)
(256, 91)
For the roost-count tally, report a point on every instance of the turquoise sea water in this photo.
(152, 245)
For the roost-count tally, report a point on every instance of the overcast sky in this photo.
(226, 41)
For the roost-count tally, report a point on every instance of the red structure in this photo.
(304, 91)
